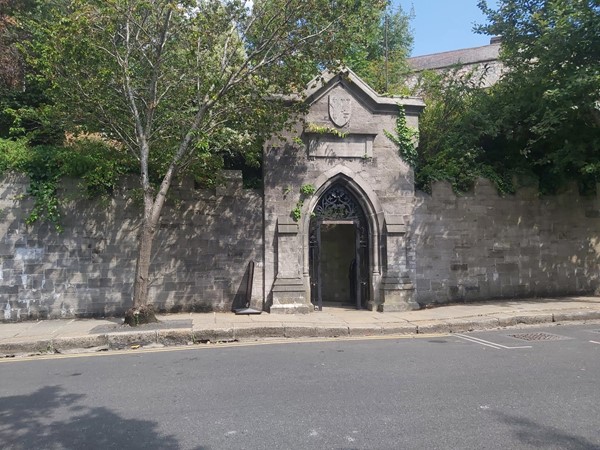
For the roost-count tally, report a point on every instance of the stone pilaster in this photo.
(289, 290)
(397, 290)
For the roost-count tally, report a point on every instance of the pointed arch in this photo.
(357, 186)
(371, 210)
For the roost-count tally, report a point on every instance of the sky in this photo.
(442, 25)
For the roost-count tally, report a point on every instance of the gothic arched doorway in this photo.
(339, 250)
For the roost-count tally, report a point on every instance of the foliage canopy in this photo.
(181, 83)
(540, 122)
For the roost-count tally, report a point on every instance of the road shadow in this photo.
(536, 435)
(53, 418)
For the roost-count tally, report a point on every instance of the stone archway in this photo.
(366, 213)
(339, 250)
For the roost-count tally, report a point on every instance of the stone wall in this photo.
(482, 246)
(482, 63)
(471, 247)
(201, 255)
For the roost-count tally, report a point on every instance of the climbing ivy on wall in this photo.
(97, 165)
(306, 191)
(405, 138)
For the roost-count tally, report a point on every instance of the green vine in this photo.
(306, 190)
(297, 211)
(405, 139)
(321, 129)
(96, 164)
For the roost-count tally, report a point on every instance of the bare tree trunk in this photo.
(141, 312)
(146, 240)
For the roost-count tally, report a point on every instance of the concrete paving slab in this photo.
(10, 330)
(47, 328)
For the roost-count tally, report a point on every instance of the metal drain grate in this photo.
(539, 337)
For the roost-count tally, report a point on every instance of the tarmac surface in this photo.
(91, 335)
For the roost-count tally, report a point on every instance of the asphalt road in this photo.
(437, 392)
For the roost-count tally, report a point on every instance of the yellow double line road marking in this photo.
(266, 341)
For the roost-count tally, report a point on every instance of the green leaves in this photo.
(548, 98)
(379, 57)
(405, 139)
(98, 165)
(157, 75)
(540, 121)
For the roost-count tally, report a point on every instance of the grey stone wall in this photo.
(482, 63)
(483, 246)
(201, 254)
(486, 73)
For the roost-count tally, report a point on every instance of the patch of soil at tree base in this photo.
(140, 315)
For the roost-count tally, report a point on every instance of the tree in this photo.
(11, 73)
(178, 82)
(380, 57)
(547, 106)
(22, 98)
(539, 123)
(450, 129)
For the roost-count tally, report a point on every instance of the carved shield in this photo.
(340, 109)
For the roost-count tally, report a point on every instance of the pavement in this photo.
(90, 335)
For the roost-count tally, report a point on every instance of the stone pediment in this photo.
(345, 115)
(343, 86)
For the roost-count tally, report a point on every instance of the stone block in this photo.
(432, 327)
(300, 331)
(592, 213)
(26, 347)
(60, 345)
(395, 298)
(507, 267)
(258, 331)
(123, 340)
(399, 328)
(534, 318)
(216, 334)
(564, 316)
(175, 337)
(364, 330)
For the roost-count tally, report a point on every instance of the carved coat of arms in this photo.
(340, 109)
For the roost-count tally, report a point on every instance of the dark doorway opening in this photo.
(338, 247)
(339, 263)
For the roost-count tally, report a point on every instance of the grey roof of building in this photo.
(463, 56)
